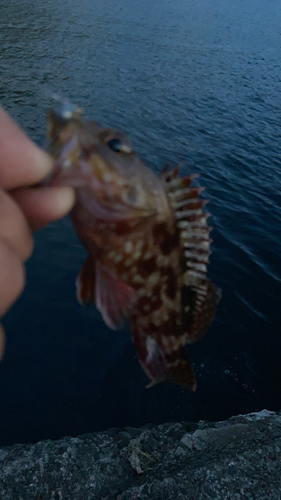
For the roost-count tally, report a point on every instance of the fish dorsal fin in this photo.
(191, 222)
(207, 297)
(195, 240)
(112, 297)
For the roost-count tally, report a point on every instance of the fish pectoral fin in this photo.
(85, 282)
(113, 297)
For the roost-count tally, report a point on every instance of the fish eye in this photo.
(115, 145)
(119, 147)
(129, 196)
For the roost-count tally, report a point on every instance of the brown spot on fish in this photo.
(144, 305)
(170, 243)
(167, 327)
(171, 282)
(148, 267)
(166, 239)
(188, 300)
(156, 297)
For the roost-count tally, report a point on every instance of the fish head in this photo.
(102, 166)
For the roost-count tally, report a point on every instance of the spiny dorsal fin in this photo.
(195, 240)
(191, 222)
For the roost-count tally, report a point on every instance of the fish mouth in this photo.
(103, 198)
(63, 110)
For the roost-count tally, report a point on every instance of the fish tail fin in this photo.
(181, 372)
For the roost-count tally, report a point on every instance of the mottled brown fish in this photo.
(147, 239)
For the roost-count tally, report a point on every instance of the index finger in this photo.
(22, 163)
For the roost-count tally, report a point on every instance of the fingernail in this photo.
(44, 162)
(65, 199)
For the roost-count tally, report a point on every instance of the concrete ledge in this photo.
(236, 459)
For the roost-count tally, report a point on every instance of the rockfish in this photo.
(147, 240)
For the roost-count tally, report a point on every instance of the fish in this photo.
(147, 238)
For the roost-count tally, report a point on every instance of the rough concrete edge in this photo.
(236, 458)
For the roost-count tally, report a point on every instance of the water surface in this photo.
(189, 80)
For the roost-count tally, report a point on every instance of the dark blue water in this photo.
(197, 81)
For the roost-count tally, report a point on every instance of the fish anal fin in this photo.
(151, 356)
(114, 298)
(159, 366)
(85, 282)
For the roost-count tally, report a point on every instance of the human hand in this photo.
(23, 208)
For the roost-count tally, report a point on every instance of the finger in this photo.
(43, 205)
(2, 341)
(12, 277)
(14, 229)
(21, 162)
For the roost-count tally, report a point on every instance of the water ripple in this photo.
(193, 82)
